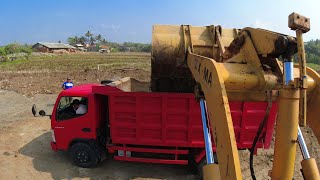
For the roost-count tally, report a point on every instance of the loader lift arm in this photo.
(233, 64)
(212, 84)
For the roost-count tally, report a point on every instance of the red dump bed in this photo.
(172, 119)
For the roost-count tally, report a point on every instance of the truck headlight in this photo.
(53, 136)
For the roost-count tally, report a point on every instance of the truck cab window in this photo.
(71, 107)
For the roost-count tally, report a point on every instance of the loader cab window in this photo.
(71, 107)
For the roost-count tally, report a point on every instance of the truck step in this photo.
(151, 160)
(151, 150)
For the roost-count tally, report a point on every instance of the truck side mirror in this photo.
(42, 113)
(34, 110)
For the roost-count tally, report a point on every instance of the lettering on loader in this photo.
(197, 65)
(207, 76)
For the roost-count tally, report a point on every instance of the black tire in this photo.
(105, 82)
(84, 156)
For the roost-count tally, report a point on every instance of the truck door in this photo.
(72, 121)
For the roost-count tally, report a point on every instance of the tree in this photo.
(99, 38)
(74, 40)
(92, 40)
(313, 51)
(103, 41)
(83, 40)
(88, 36)
(2, 51)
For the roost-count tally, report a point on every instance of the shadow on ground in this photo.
(60, 166)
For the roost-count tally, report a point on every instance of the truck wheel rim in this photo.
(83, 157)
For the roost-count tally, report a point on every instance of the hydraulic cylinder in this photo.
(286, 134)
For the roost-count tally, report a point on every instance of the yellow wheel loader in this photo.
(246, 64)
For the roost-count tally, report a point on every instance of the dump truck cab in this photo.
(68, 126)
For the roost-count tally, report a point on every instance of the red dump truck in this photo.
(125, 121)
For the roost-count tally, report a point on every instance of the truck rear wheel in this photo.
(84, 156)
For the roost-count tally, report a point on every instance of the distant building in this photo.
(51, 47)
(81, 47)
(104, 49)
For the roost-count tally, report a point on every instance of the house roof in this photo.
(56, 45)
(103, 47)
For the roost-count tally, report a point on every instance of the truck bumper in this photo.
(53, 146)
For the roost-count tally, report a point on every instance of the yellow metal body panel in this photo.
(310, 169)
(303, 72)
(239, 65)
(313, 103)
(206, 73)
(211, 172)
(286, 135)
(170, 43)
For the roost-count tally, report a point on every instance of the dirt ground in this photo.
(25, 150)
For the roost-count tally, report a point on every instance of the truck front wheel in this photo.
(84, 156)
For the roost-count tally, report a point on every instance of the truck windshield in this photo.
(71, 107)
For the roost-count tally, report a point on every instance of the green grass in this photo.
(314, 66)
(83, 61)
(79, 62)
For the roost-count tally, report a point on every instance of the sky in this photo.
(131, 20)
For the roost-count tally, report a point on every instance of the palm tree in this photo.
(92, 40)
(76, 39)
(72, 41)
(104, 41)
(83, 40)
(88, 35)
(99, 38)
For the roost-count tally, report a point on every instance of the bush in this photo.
(2, 51)
(15, 51)
(114, 50)
(16, 48)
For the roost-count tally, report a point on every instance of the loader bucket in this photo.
(169, 72)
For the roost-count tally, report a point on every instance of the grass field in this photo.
(44, 73)
(314, 66)
(78, 62)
